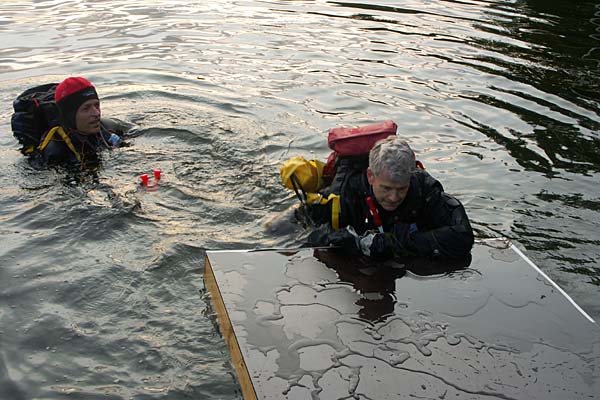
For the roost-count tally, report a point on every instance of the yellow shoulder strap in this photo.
(64, 137)
(317, 198)
(335, 210)
(48, 138)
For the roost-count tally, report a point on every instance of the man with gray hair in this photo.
(391, 164)
(396, 209)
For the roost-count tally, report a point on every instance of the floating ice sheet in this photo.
(314, 323)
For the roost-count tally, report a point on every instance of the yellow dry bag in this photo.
(300, 171)
(305, 177)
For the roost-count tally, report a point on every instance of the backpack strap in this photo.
(334, 199)
(64, 137)
(336, 210)
(298, 189)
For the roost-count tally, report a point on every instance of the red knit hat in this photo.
(70, 95)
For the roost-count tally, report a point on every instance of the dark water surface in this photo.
(101, 292)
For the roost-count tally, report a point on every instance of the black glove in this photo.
(325, 235)
(346, 239)
(376, 246)
(319, 236)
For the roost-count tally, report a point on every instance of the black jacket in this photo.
(88, 146)
(428, 222)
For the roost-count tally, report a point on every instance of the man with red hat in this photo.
(81, 134)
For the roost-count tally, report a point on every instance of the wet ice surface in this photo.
(314, 324)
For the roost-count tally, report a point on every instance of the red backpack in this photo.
(354, 143)
(319, 184)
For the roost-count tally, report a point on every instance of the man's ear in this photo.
(370, 176)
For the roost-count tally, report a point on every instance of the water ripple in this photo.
(102, 277)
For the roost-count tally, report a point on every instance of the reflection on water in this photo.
(100, 279)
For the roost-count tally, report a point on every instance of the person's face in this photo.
(87, 118)
(389, 194)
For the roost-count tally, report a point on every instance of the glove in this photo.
(318, 236)
(325, 235)
(346, 238)
(373, 244)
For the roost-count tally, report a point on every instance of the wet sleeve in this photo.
(54, 153)
(447, 231)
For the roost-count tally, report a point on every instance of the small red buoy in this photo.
(144, 178)
(157, 174)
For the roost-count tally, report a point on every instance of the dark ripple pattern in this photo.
(101, 292)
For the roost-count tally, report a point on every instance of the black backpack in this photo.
(35, 113)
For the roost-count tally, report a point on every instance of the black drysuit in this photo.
(428, 222)
(87, 146)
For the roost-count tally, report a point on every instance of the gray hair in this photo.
(394, 156)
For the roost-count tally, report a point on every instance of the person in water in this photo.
(81, 134)
(396, 209)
